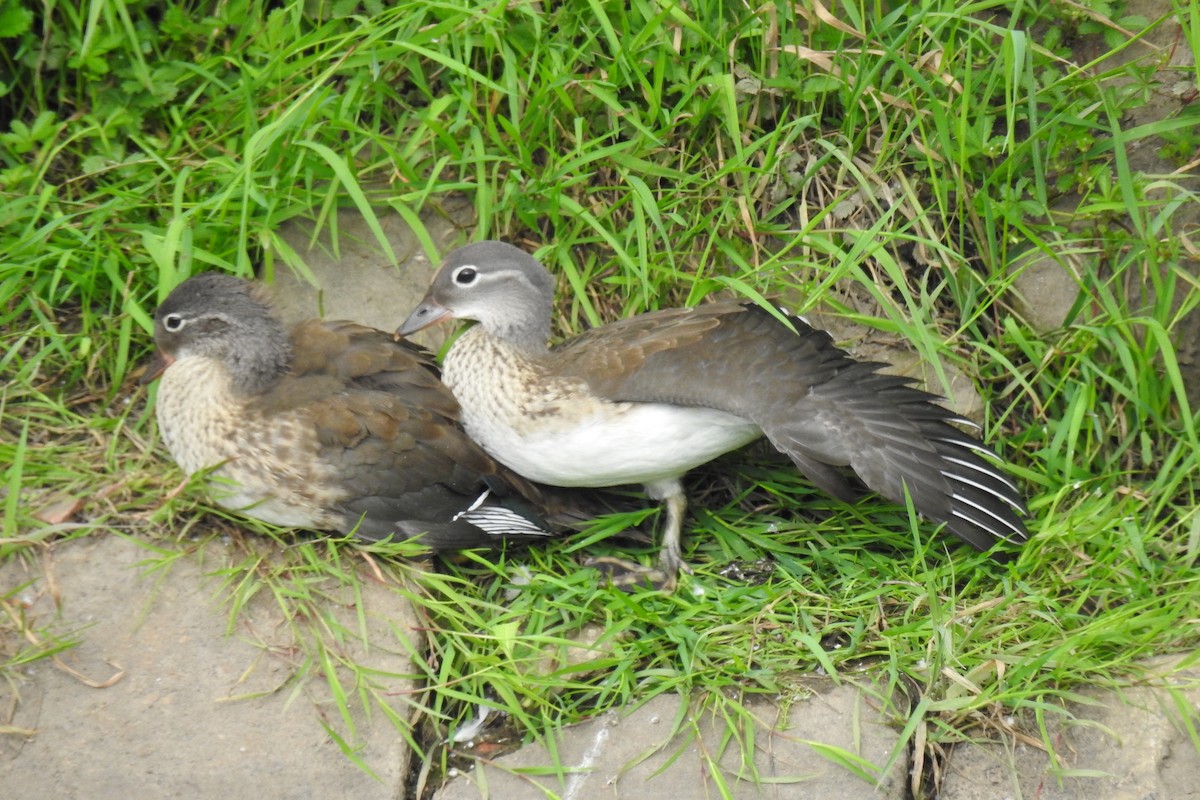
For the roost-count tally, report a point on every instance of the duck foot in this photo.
(629, 576)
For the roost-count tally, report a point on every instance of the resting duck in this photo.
(327, 426)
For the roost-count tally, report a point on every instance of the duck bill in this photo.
(156, 367)
(426, 314)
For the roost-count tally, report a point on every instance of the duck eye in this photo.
(172, 322)
(465, 276)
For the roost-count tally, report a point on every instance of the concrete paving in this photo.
(645, 754)
(183, 707)
(1135, 744)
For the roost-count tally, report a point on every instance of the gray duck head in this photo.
(499, 286)
(228, 319)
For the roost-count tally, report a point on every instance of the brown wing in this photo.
(370, 359)
(388, 430)
(725, 356)
(412, 471)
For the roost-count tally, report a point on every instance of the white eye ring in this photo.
(172, 322)
(465, 275)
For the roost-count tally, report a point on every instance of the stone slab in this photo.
(198, 711)
(356, 279)
(640, 755)
(1131, 744)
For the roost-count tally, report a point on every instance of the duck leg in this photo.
(627, 575)
(670, 558)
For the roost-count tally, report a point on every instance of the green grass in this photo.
(901, 166)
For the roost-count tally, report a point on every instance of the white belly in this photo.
(623, 443)
(554, 432)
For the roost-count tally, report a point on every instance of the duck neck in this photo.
(262, 360)
(529, 334)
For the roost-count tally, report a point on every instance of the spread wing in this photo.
(815, 403)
